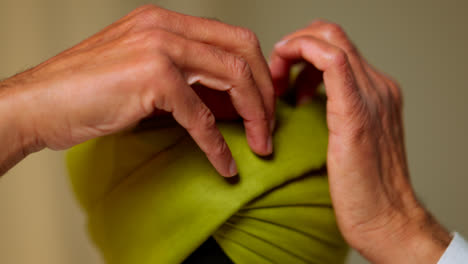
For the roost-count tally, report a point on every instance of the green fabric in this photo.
(151, 195)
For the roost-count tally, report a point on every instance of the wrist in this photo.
(417, 238)
(427, 240)
(17, 136)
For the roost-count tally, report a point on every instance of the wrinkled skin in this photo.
(375, 204)
(142, 64)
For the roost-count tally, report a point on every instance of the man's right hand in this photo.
(375, 205)
(143, 63)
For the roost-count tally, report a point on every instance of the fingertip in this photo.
(283, 47)
(262, 147)
(281, 43)
(220, 157)
(272, 124)
(277, 65)
(225, 166)
(233, 170)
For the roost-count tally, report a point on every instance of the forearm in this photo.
(16, 137)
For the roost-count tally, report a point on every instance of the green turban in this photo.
(151, 196)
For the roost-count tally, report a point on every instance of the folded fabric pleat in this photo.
(151, 196)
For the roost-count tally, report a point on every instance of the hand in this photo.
(375, 205)
(143, 63)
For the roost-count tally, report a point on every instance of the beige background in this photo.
(422, 43)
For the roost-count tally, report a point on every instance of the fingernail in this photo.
(270, 145)
(272, 125)
(281, 43)
(233, 168)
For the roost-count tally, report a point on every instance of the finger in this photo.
(338, 76)
(329, 32)
(280, 70)
(240, 41)
(306, 84)
(336, 35)
(190, 112)
(219, 102)
(220, 70)
(392, 99)
(391, 83)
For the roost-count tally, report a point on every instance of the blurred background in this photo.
(420, 43)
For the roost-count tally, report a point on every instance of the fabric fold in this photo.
(151, 195)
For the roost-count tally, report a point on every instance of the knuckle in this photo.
(159, 41)
(218, 147)
(146, 7)
(155, 64)
(247, 35)
(240, 68)
(348, 46)
(338, 57)
(152, 38)
(205, 119)
(225, 59)
(146, 14)
(333, 30)
(147, 51)
(262, 117)
(396, 92)
(217, 53)
(258, 116)
(158, 64)
(336, 33)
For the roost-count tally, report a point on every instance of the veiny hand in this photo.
(375, 205)
(143, 63)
